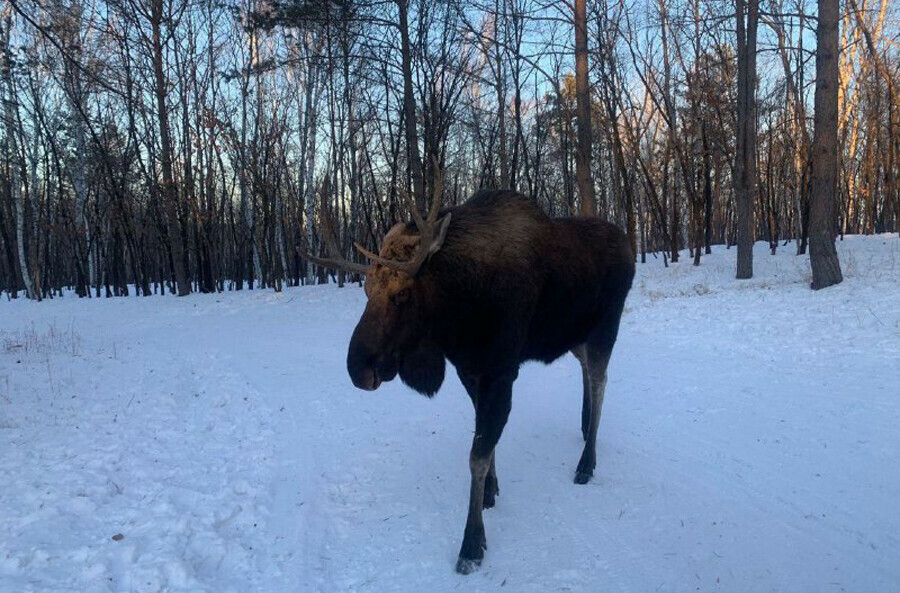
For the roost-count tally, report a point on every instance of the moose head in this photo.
(393, 334)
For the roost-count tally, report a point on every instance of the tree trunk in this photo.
(16, 164)
(409, 108)
(170, 195)
(745, 178)
(583, 114)
(826, 269)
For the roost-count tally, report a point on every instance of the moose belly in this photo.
(563, 319)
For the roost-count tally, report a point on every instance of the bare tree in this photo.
(13, 151)
(157, 16)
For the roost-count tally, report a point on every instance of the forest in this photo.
(177, 146)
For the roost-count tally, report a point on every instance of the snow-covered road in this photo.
(749, 442)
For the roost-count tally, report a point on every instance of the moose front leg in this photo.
(491, 483)
(492, 407)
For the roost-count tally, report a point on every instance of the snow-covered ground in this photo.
(749, 442)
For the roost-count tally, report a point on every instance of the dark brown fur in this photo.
(509, 284)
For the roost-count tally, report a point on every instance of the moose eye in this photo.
(401, 297)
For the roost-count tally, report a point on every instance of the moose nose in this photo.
(362, 368)
(367, 380)
(362, 357)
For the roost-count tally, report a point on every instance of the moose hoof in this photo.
(583, 477)
(467, 565)
(472, 551)
(585, 470)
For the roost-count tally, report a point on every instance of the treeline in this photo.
(174, 146)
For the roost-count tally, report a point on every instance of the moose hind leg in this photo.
(580, 353)
(586, 403)
(595, 357)
(597, 362)
(491, 486)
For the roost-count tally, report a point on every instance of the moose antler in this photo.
(431, 231)
(334, 261)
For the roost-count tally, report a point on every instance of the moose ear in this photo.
(440, 234)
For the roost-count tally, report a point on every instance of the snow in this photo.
(748, 442)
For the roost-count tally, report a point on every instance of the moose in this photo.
(488, 285)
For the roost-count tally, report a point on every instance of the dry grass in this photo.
(32, 341)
